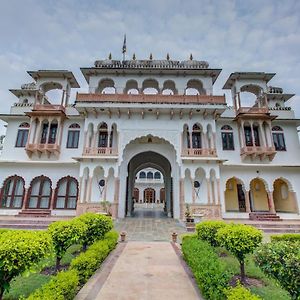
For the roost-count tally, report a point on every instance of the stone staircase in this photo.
(35, 213)
(21, 222)
(264, 216)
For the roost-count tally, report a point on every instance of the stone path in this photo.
(144, 270)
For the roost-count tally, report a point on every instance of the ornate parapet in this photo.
(206, 211)
(88, 207)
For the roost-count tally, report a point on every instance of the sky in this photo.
(234, 35)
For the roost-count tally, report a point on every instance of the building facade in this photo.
(68, 157)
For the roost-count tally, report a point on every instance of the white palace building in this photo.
(62, 159)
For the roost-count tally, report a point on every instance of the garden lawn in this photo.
(270, 290)
(24, 285)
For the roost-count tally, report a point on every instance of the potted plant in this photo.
(188, 215)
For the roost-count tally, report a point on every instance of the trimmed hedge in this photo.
(281, 260)
(19, 251)
(207, 231)
(240, 293)
(88, 262)
(63, 286)
(288, 237)
(65, 234)
(97, 226)
(210, 273)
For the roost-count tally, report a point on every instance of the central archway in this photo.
(154, 160)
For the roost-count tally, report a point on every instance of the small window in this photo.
(278, 138)
(157, 175)
(103, 136)
(227, 137)
(196, 137)
(22, 135)
(149, 175)
(142, 175)
(73, 136)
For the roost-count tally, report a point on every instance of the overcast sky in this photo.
(256, 35)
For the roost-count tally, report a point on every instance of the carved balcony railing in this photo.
(258, 151)
(48, 107)
(42, 148)
(199, 152)
(253, 110)
(102, 151)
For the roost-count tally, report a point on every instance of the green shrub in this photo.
(19, 251)
(2, 230)
(65, 234)
(240, 293)
(207, 231)
(288, 237)
(97, 226)
(209, 271)
(281, 260)
(63, 286)
(88, 262)
(240, 240)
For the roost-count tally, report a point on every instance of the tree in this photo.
(281, 260)
(240, 240)
(19, 251)
(65, 234)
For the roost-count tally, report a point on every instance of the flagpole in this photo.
(124, 48)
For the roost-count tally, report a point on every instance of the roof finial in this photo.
(150, 56)
(191, 56)
(109, 56)
(133, 56)
(168, 56)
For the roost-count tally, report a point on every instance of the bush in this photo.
(65, 234)
(88, 262)
(209, 271)
(97, 226)
(281, 260)
(207, 231)
(240, 293)
(240, 240)
(288, 237)
(19, 251)
(61, 287)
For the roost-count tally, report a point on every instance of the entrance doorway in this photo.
(150, 173)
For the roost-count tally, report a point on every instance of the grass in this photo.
(24, 285)
(270, 291)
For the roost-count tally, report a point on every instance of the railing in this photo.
(105, 151)
(157, 99)
(253, 110)
(199, 152)
(257, 150)
(43, 147)
(49, 107)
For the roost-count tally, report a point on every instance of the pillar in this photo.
(105, 189)
(129, 195)
(271, 203)
(208, 190)
(115, 204)
(168, 196)
(25, 199)
(80, 189)
(181, 199)
(218, 191)
(264, 144)
(89, 190)
(247, 202)
(252, 135)
(243, 134)
(193, 190)
(51, 204)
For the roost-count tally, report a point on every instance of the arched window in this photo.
(66, 193)
(227, 137)
(196, 137)
(12, 192)
(22, 135)
(149, 175)
(39, 194)
(73, 136)
(142, 175)
(157, 175)
(103, 136)
(278, 138)
(136, 194)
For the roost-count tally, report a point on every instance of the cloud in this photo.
(235, 35)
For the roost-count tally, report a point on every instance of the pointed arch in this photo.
(12, 192)
(66, 193)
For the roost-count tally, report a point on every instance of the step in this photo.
(24, 226)
(35, 213)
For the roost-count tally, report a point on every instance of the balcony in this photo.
(48, 107)
(48, 110)
(199, 152)
(258, 151)
(106, 151)
(42, 148)
(253, 110)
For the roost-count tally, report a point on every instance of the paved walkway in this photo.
(144, 270)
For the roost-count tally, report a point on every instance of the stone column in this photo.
(25, 200)
(80, 189)
(218, 191)
(129, 196)
(105, 189)
(52, 199)
(262, 135)
(243, 134)
(247, 202)
(208, 190)
(193, 190)
(89, 190)
(115, 204)
(271, 203)
(182, 201)
(38, 132)
(168, 196)
(252, 135)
